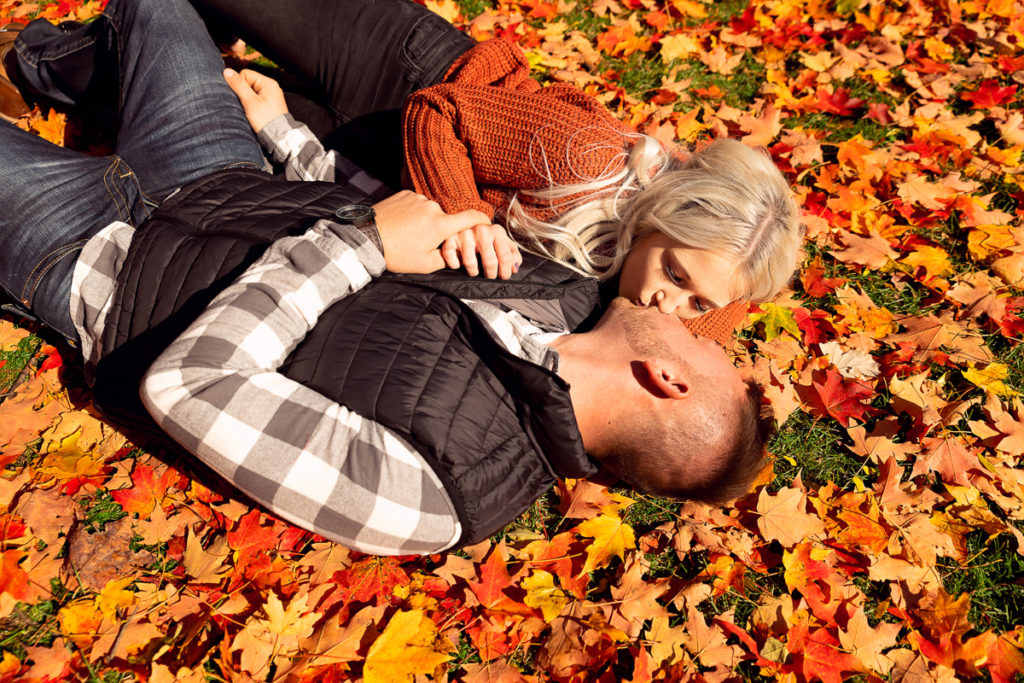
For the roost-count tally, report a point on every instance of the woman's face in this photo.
(678, 280)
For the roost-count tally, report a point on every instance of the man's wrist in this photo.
(370, 232)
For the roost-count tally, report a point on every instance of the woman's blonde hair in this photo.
(726, 197)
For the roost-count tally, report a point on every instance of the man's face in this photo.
(653, 335)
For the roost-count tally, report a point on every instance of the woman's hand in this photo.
(498, 253)
(261, 96)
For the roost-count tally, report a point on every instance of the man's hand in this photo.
(261, 96)
(499, 254)
(412, 228)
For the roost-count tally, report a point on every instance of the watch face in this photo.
(354, 214)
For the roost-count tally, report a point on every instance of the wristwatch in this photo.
(364, 219)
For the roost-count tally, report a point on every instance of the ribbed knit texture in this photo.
(488, 129)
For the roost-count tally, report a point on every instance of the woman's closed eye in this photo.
(681, 279)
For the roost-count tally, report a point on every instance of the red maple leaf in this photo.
(13, 579)
(148, 490)
(815, 283)
(250, 537)
(494, 581)
(744, 23)
(989, 94)
(53, 359)
(371, 579)
(838, 102)
(841, 399)
(814, 325)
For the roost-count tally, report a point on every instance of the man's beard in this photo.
(642, 335)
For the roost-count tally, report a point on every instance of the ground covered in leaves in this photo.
(886, 543)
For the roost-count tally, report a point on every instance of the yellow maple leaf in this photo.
(690, 8)
(687, 125)
(543, 594)
(776, 319)
(115, 596)
(52, 127)
(79, 621)
(934, 260)
(985, 240)
(409, 645)
(990, 378)
(678, 46)
(612, 537)
(447, 9)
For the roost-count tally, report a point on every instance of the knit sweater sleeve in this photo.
(491, 126)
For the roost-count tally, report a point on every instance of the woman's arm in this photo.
(490, 125)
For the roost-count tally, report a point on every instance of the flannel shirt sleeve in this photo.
(292, 144)
(217, 392)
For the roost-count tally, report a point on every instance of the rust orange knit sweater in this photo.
(488, 129)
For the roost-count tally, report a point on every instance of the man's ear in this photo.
(664, 379)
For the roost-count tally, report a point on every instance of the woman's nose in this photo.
(672, 304)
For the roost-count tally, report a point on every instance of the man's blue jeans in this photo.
(178, 119)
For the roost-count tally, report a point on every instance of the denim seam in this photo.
(49, 56)
(115, 161)
(40, 270)
(242, 164)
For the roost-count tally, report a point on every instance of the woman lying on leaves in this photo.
(688, 233)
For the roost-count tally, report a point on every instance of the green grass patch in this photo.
(471, 9)
(16, 360)
(992, 575)
(739, 88)
(100, 509)
(814, 449)
(36, 624)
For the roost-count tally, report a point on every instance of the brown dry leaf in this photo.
(49, 514)
(866, 643)
(979, 294)
(878, 445)
(871, 252)
(783, 517)
(707, 642)
(205, 565)
(95, 559)
(636, 599)
(929, 333)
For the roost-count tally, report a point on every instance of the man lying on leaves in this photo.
(262, 326)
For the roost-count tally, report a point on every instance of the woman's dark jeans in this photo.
(178, 119)
(350, 64)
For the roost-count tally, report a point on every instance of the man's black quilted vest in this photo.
(404, 351)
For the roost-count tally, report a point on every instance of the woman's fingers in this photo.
(450, 253)
(485, 248)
